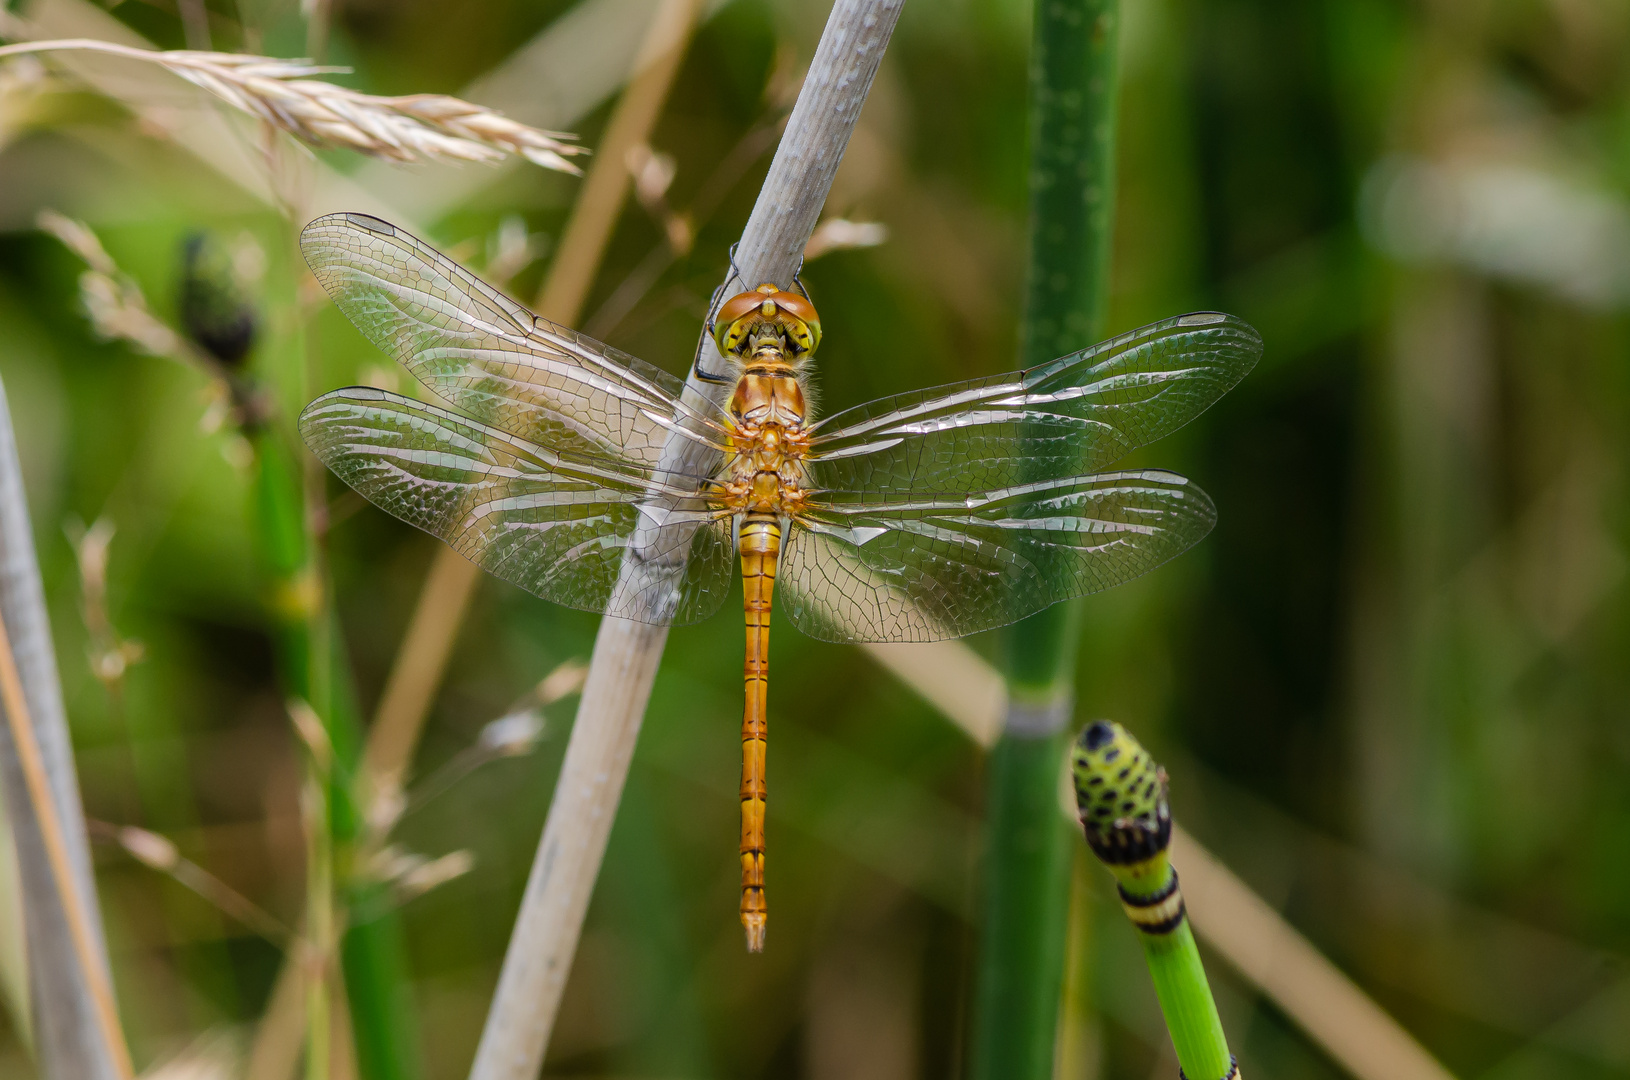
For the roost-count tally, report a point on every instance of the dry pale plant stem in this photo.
(415, 674)
(84, 938)
(157, 853)
(434, 627)
(627, 654)
(1284, 965)
(53, 860)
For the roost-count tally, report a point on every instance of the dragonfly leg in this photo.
(701, 346)
(708, 376)
(760, 543)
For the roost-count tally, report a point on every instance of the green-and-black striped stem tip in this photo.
(1121, 795)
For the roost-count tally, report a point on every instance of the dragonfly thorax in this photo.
(769, 394)
(764, 493)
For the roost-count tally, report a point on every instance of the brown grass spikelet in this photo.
(282, 93)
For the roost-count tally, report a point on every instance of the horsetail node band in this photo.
(1158, 913)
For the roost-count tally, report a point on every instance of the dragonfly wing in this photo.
(556, 524)
(1075, 415)
(863, 567)
(490, 357)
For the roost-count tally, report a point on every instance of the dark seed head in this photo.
(214, 310)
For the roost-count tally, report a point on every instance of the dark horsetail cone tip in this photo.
(1121, 795)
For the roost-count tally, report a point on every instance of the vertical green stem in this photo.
(1187, 1004)
(1021, 954)
(313, 668)
(371, 942)
(1078, 1050)
(1027, 865)
(319, 926)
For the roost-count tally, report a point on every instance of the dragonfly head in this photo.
(745, 322)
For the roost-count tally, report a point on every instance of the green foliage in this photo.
(1390, 687)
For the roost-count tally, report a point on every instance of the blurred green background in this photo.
(1392, 688)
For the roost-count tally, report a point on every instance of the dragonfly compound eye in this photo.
(802, 324)
(766, 308)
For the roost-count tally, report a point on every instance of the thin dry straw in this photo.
(627, 653)
(86, 952)
(160, 853)
(601, 202)
(417, 127)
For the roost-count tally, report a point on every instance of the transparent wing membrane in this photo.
(1076, 415)
(871, 566)
(958, 509)
(555, 523)
(491, 358)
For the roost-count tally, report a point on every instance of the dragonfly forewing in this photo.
(554, 522)
(491, 358)
(866, 567)
(1075, 415)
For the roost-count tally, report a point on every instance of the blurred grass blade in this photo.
(275, 1052)
(1073, 91)
(159, 853)
(77, 1031)
(1285, 966)
(13, 939)
(601, 202)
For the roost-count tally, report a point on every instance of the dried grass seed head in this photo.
(416, 127)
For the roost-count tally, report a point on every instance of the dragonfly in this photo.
(598, 481)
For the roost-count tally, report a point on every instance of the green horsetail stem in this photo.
(1074, 87)
(1121, 795)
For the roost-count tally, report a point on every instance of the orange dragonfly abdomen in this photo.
(760, 544)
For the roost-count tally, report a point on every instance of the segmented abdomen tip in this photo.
(755, 926)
